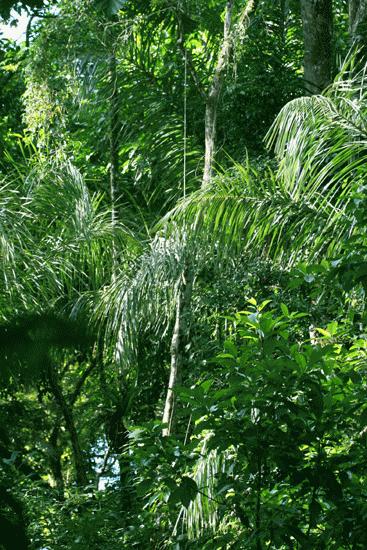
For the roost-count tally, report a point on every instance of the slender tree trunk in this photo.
(353, 10)
(358, 24)
(215, 88)
(212, 96)
(183, 307)
(179, 338)
(55, 450)
(53, 442)
(55, 460)
(174, 374)
(212, 101)
(67, 413)
(317, 19)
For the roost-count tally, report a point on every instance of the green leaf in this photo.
(225, 359)
(332, 328)
(190, 490)
(264, 304)
(230, 348)
(300, 359)
(267, 324)
(185, 492)
(299, 315)
(206, 385)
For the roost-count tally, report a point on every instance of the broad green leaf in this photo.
(185, 493)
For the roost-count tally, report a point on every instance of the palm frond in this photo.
(261, 216)
(143, 298)
(303, 208)
(321, 141)
(202, 515)
(58, 241)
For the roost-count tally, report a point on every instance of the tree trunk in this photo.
(179, 338)
(53, 442)
(212, 101)
(183, 307)
(353, 10)
(55, 460)
(215, 88)
(317, 19)
(358, 24)
(67, 413)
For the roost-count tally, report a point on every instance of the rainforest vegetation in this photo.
(183, 274)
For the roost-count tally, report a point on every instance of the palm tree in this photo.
(57, 247)
(303, 208)
(301, 211)
(305, 211)
(56, 232)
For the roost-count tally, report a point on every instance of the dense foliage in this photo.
(183, 274)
